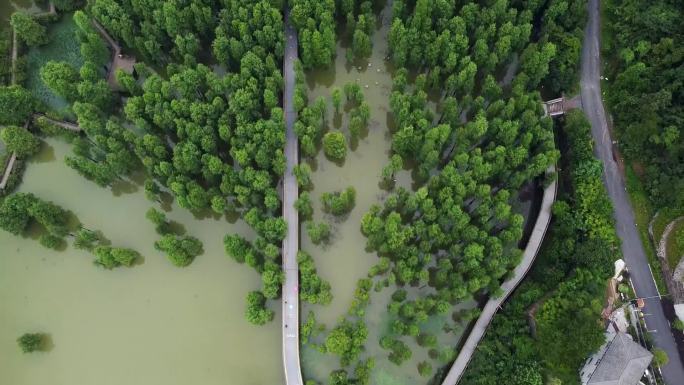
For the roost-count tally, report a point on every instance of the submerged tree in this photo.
(181, 251)
(20, 140)
(31, 342)
(28, 29)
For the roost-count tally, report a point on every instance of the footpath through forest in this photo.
(293, 372)
(632, 248)
(494, 304)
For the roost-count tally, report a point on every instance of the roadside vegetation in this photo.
(643, 47)
(567, 281)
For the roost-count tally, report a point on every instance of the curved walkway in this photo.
(293, 372)
(490, 309)
(65, 125)
(625, 224)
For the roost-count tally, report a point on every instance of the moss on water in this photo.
(63, 46)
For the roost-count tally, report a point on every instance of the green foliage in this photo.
(303, 205)
(19, 209)
(161, 224)
(678, 324)
(20, 140)
(424, 368)
(660, 357)
(310, 328)
(64, 46)
(61, 78)
(578, 299)
(302, 172)
(51, 241)
(399, 351)
(312, 288)
(31, 342)
(315, 24)
(528, 374)
(567, 282)
(16, 105)
(88, 239)
(308, 127)
(256, 312)
(340, 202)
(347, 340)
(594, 205)
(335, 145)
(318, 232)
(644, 81)
(562, 25)
(28, 29)
(337, 99)
(111, 257)
(181, 251)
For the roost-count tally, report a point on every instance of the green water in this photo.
(151, 324)
(345, 259)
(7, 7)
(63, 46)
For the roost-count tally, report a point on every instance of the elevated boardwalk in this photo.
(291, 364)
(494, 304)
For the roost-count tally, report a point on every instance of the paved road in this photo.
(490, 309)
(293, 372)
(632, 249)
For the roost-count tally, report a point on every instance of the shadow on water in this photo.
(177, 228)
(166, 201)
(337, 162)
(138, 177)
(121, 187)
(325, 77)
(313, 164)
(47, 344)
(46, 154)
(232, 216)
(337, 120)
(138, 261)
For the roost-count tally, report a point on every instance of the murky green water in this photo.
(7, 7)
(345, 259)
(63, 46)
(152, 324)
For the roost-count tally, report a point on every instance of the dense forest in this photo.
(202, 116)
(457, 233)
(645, 47)
(569, 274)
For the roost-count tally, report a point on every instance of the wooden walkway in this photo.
(494, 304)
